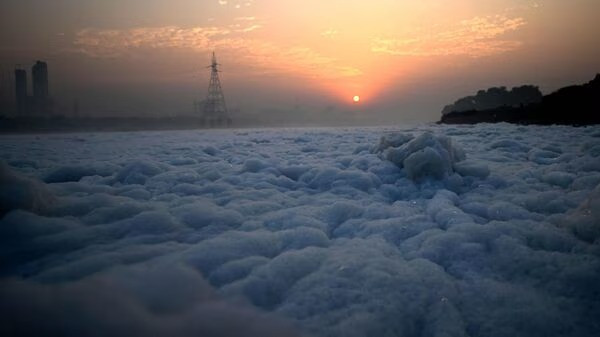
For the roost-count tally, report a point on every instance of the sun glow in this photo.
(370, 48)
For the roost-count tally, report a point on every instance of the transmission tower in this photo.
(215, 110)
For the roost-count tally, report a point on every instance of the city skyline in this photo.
(39, 102)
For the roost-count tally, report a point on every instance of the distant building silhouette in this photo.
(21, 91)
(8, 102)
(39, 74)
(40, 103)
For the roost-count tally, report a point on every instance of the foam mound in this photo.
(425, 156)
(18, 191)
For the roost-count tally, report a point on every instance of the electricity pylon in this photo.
(215, 110)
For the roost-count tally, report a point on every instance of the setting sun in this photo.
(356, 99)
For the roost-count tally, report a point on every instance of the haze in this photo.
(298, 61)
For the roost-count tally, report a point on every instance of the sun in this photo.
(356, 99)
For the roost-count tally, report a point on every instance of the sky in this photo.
(297, 62)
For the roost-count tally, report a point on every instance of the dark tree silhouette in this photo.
(574, 105)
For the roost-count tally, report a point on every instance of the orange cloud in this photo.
(341, 61)
(236, 4)
(476, 37)
(257, 54)
(114, 43)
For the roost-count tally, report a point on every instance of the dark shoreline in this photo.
(576, 105)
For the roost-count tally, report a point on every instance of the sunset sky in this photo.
(299, 60)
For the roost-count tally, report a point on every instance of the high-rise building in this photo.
(21, 91)
(40, 103)
(39, 74)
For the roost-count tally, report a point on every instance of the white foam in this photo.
(487, 230)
